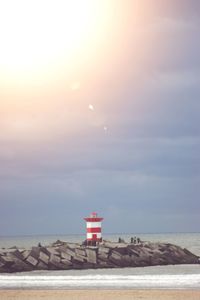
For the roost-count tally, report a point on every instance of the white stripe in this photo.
(93, 224)
(90, 234)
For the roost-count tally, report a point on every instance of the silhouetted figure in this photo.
(119, 240)
(39, 245)
(138, 240)
(132, 239)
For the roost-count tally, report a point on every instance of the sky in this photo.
(99, 111)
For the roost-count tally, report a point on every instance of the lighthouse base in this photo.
(92, 242)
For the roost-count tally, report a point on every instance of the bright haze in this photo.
(99, 111)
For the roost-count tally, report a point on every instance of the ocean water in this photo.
(161, 277)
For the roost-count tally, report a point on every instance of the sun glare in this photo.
(37, 34)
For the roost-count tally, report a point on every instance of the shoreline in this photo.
(142, 294)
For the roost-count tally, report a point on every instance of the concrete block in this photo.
(79, 258)
(2, 264)
(20, 266)
(32, 260)
(80, 252)
(17, 254)
(70, 252)
(44, 257)
(66, 262)
(25, 253)
(103, 256)
(35, 252)
(91, 255)
(102, 249)
(65, 256)
(52, 250)
(42, 266)
(54, 259)
(55, 263)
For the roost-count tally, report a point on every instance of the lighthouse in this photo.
(93, 226)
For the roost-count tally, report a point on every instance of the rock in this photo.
(7, 261)
(43, 257)
(116, 258)
(103, 249)
(55, 263)
(35, 252)
(91, 255)
(52, 250)
(66, 256)
(18, 254)
(42, 266)
(103, 253)
(54, 259)
(78, 259)
(70, 252)
(73, 245)
(66, 262)
(25, 253)
(2, 264)
(32, 260)
(106, 255)
(103, 256)
(122, 250)
(134, 252)
(62, 248)
(19, 266)
(80, 252)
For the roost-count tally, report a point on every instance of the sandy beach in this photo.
(100, 294)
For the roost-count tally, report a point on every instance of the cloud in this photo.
(57, 163)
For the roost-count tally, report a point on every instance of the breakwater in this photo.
(63, 255)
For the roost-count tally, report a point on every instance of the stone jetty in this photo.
(63, 256)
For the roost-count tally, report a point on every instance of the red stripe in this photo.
(95, 229)
(93, 219)
(94, 239)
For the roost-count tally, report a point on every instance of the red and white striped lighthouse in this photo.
(93, 225)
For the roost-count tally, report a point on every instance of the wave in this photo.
(100, 281)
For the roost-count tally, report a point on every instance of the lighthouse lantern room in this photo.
(93, 226)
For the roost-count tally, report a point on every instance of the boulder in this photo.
(17, 254)
(19, 266)
(54, 260)
(43, 257)
(52, 250)
(35, 252)
(66, 262)
(42, 266)
(105, 255)
(116, 258)
(103, 249)
(66, 256)
(78, 259)
(91, 255)
(80, 252)
(25, 253)
(70, 252)
(32, 260)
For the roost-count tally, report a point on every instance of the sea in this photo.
(156, 277)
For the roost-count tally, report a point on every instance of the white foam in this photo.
(100, 281)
